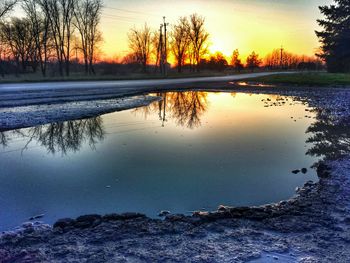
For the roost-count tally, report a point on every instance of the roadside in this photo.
(306, 79)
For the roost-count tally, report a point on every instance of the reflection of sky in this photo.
(242, 154)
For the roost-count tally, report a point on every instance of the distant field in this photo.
(309, 79)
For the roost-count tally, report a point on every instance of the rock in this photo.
(174, 218)
(124, 216)
(304, 170)
(323, 170)
(27, 224)
(88, 221)
(36, 217)
(64, 222)
(200, 213)
(296, 171)
(163, 213)
(223, 208)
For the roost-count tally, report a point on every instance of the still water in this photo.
(195, 151)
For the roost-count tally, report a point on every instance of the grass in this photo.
(306, 79)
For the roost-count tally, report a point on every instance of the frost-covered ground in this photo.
(33, 115)
(313, 226)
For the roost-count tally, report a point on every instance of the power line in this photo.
(123, 18)
(130, 11)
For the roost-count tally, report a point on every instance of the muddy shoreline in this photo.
(313, 226)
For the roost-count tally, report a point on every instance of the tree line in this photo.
(63, 35)
(48, 34)
(188, 44)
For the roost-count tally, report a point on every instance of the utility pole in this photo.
(165, 46)
(160, 49)
(281, 62)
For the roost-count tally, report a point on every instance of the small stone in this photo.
(304, 170)
(296, 171)
(64, 222)
(36, 217)
(163, 213)
(88, 221)
(222, 208)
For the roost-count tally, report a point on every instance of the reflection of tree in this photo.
(186, 108)
(65, 136)
(3, 139)
(331, 139)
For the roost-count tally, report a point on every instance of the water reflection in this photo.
(184, 108)
(3, 139)
(63, 137)
(330, 138)
(220, 143)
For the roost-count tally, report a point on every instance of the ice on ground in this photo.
(28, 116)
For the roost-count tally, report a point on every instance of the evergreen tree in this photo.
(335, 36)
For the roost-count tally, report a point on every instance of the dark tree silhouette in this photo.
(39, 26)
(20, 42)
(87, 17)
(60, 14)
(199, 38)
(335, 36)
(236, 62)
(253, 61)
(216, 62)
(140, 41)
(180, 41)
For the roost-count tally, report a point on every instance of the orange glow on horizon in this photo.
(250, 25)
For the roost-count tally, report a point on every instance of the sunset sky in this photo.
(259, 25)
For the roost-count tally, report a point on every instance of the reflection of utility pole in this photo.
(164, 110)
(281, 62)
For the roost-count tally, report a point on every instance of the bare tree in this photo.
(39, 25)
(199, 38)
(19, 41)
(60, 14)
(140, 44)
(6, 6)
(179, 41)
(88, 15)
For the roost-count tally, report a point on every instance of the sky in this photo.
(249, 25)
